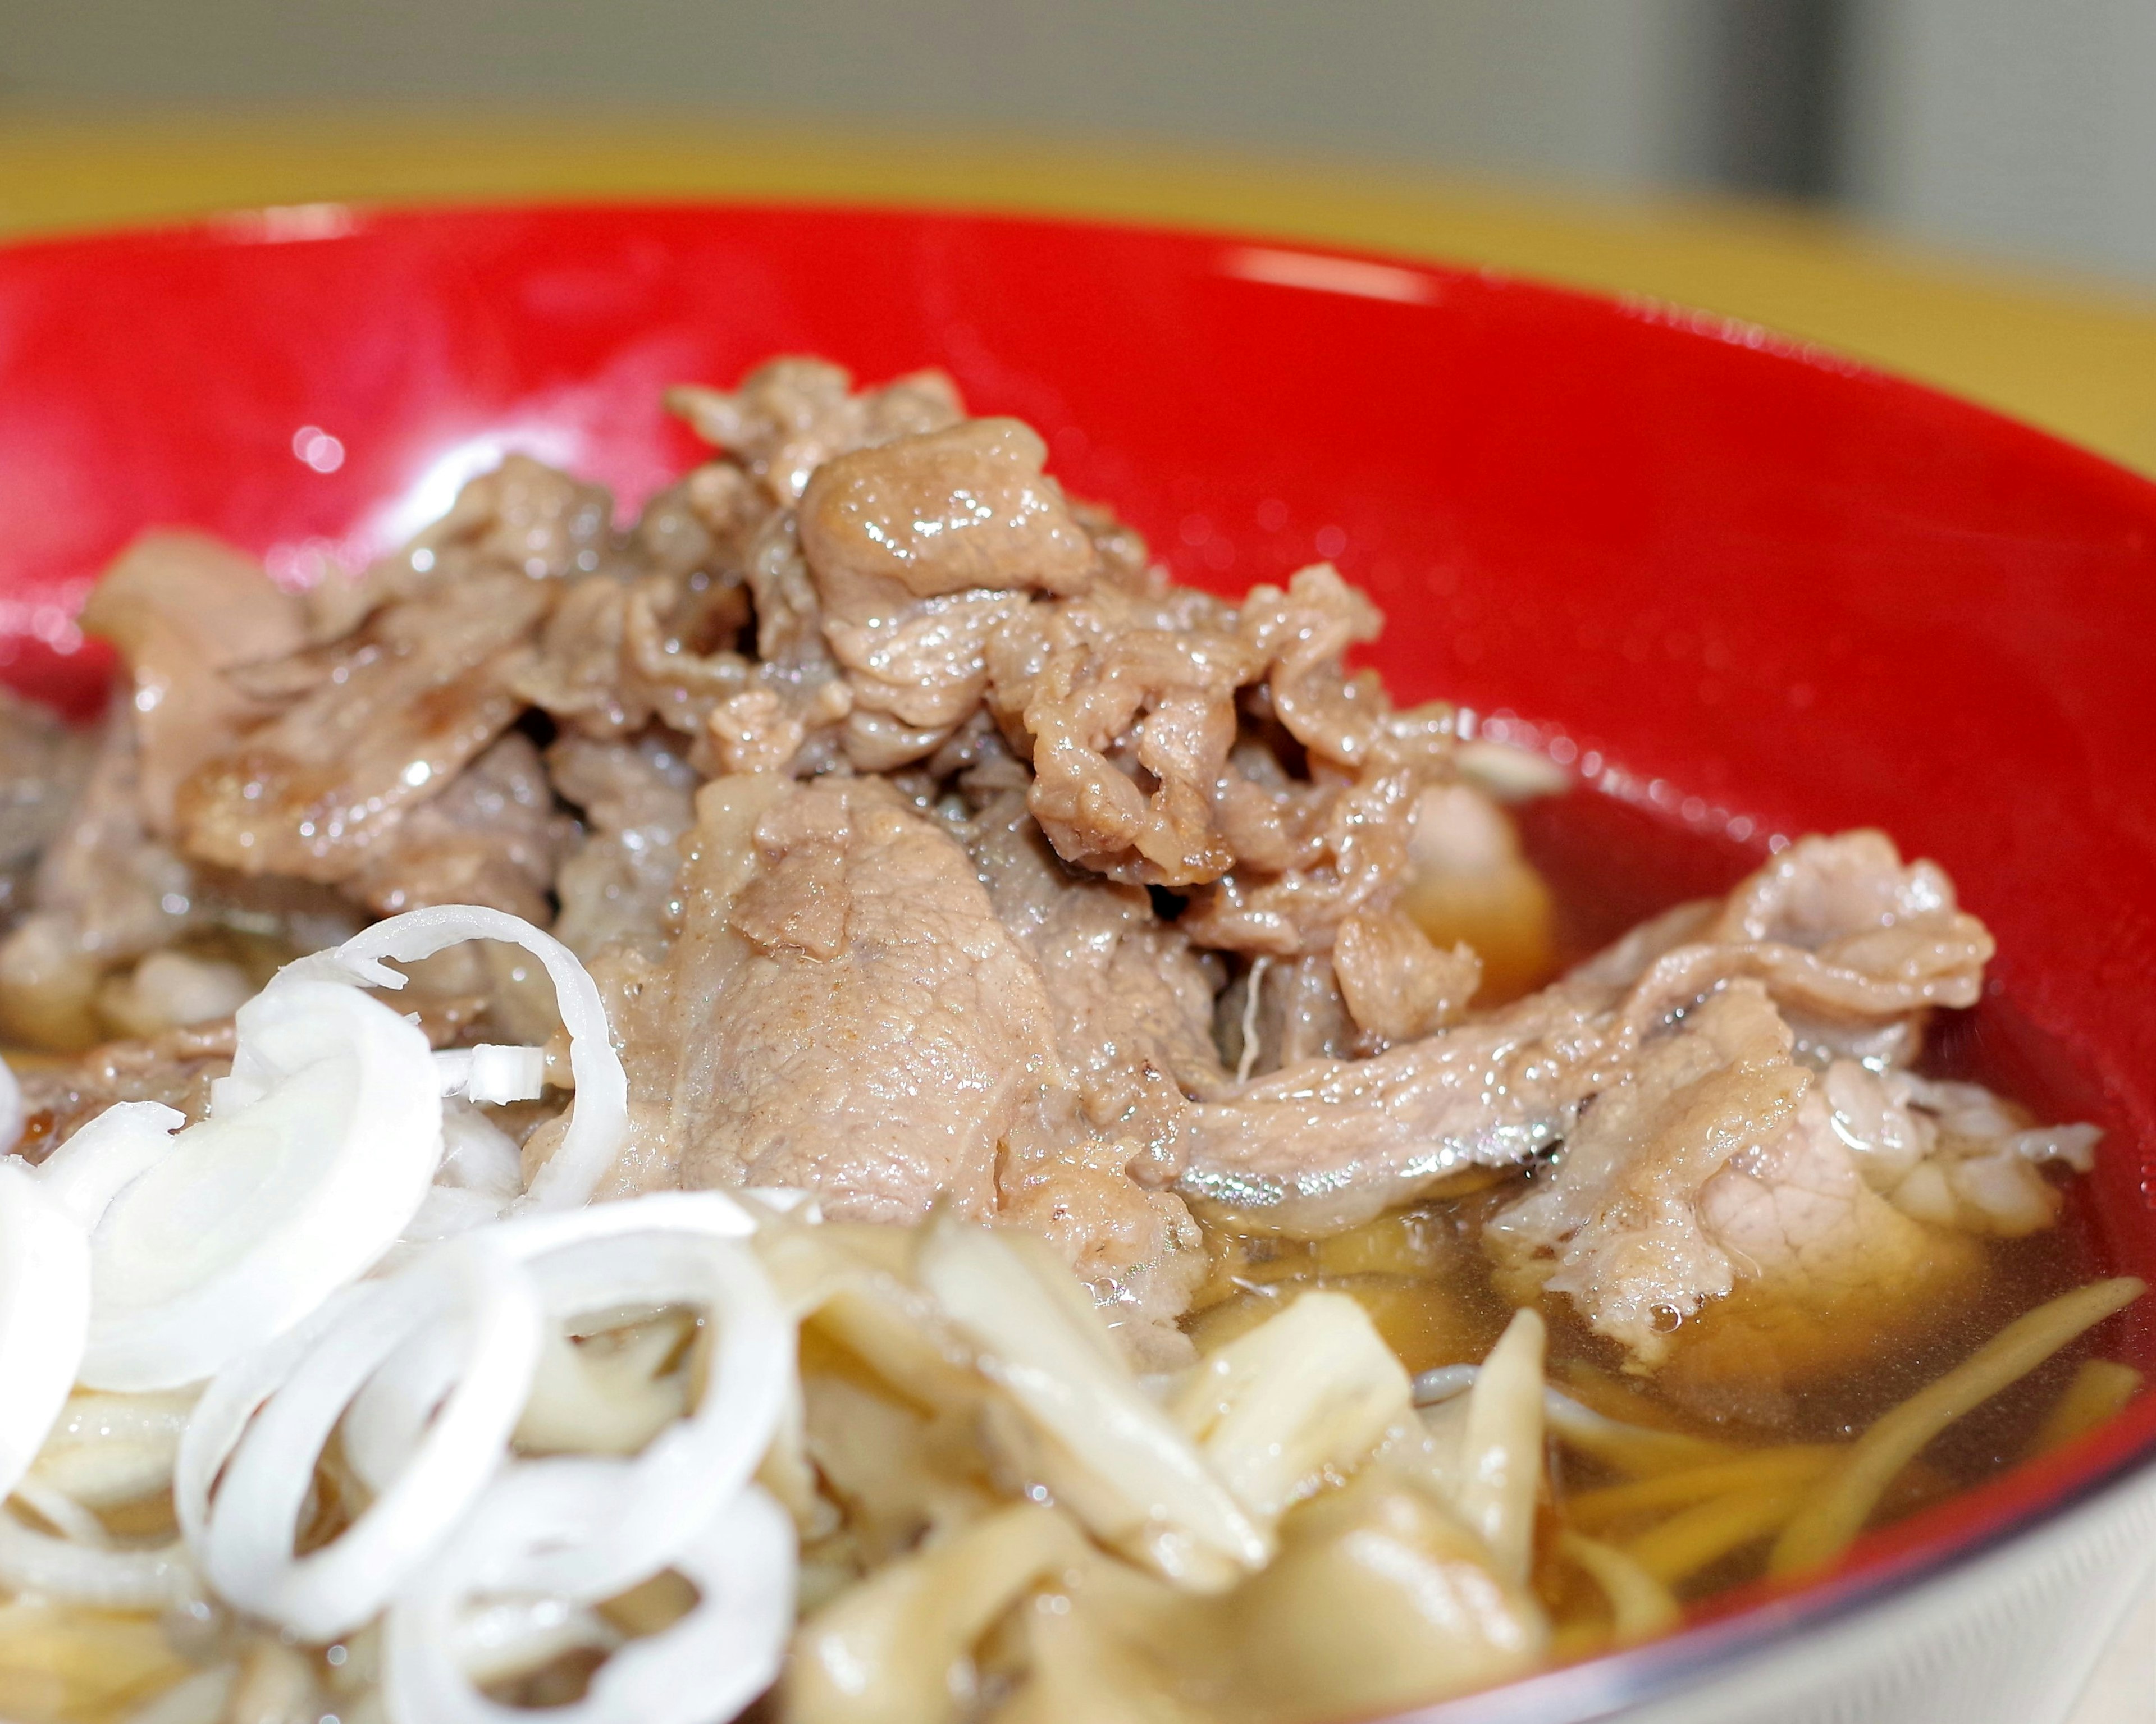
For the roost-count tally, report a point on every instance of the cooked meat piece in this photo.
(1838, 930)
(636, 798)
(1161, 724)
(491, 838)
(1397, 985)
(175, 1069)
(105, 892)
(1347, 848)
(1717, 1164)
(962, 510)
(1328, 1143)
(182, 608)
(1131, 1003)
(1281, 1011)
(1951, 1153)
(1619, 1227)
(43, 763)
(1125, 705)
(790, 416)
(414, 697)
(1325, 1144)
(522, 517)
(840, 1008)
(920, 548)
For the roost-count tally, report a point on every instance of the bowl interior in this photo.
(1746, 588)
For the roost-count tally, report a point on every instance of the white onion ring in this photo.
(244, 1539)
(45, 1313)
(318, 1150)
(11, 1108)
(613, 1256)
(670, 1248)
(161, 1578)
(459, 1331)
(708, 1666)
(598, 1122)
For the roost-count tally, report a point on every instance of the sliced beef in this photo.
(392, 716)
(183, 608)
(1328, 1143)
(491, 838)
(790, 416)
(43, 763)
(105, 892)
(521, 517)
(1177, 742)
(840, 1009)
(637, 799)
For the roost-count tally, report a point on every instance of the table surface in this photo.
(2077, 358)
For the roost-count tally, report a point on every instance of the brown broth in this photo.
(1422, 1276)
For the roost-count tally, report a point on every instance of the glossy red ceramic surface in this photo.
(1751, 587)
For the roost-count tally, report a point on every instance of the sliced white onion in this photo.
(670, 1248)
(107, 1154)
(11, 1108)
(705, 1667)
(45, 1313)
(492, 1074)
(317, 1151)
(435, 1365)
(101, 1579)
(599, 1125)
(301, 1387)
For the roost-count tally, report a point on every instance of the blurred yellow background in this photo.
(2077, 358)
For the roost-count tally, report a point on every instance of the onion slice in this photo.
(244, 1539)
(706, 1667)
(318, 1150)
(599, 1124)
(45, 1313)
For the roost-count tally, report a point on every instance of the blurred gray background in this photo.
(2025, 129)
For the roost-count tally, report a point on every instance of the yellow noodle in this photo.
(1642, 1606)
(1839, 1505)
(2101, 1389)
(1636, 1449)
(1703, 1535)
(1797, 1464)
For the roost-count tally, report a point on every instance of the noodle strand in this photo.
(1834, 1513)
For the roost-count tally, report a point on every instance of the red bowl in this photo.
(1744, 585)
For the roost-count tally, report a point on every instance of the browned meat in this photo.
(1328, 1143)
(394, 714)
(790, 416)
(1396, 984)
(840, 1008)
(523, 517)
(1281, 1011)
(175, 1069)
(491, 838)
(616, 881)
(42, 766)
(1159, 725)
(920, 548)
(1617, 1228)
(1125, 705)
(105, 892)
(182, 608)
